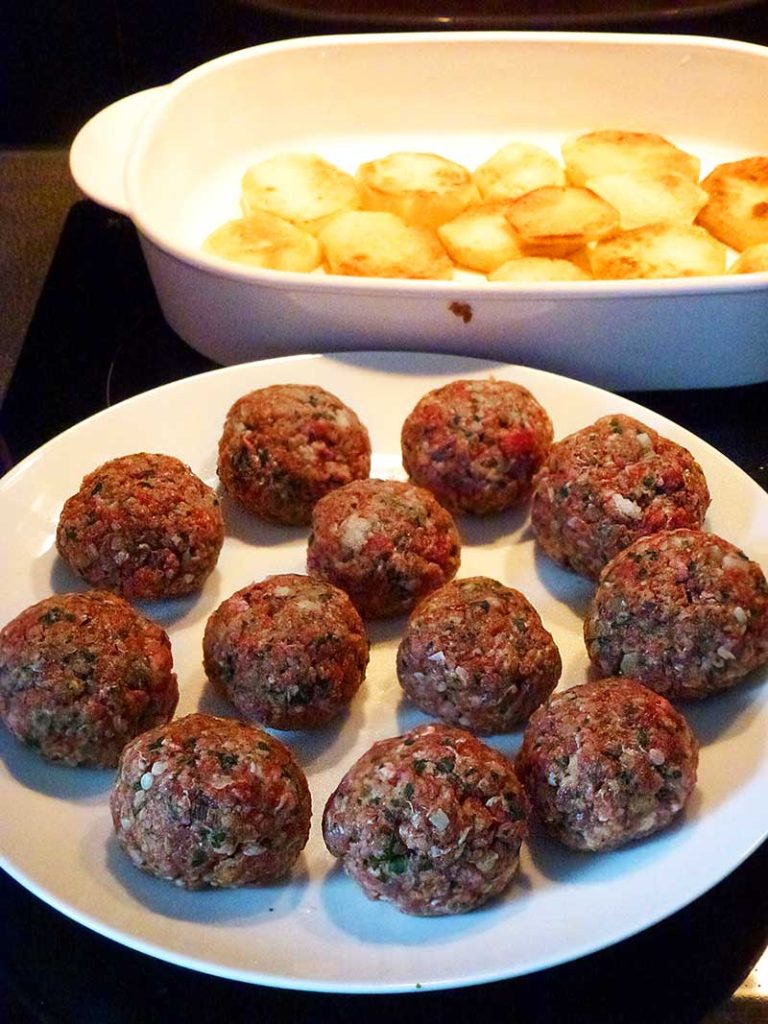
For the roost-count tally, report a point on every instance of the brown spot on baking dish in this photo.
(463, 310)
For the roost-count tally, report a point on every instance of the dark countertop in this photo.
(80, 329)
(37, 192)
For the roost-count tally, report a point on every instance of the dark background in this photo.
(61, 61)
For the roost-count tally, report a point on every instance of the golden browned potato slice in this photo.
(300, 187)
(516, 169)
(481, 238)
(616, 152)
(538, 268)
(263, 240)
(423, 189)
(368, 243)
(557, 220)
(664, 198)
(658, 250)
(737, 210)
(752, 260)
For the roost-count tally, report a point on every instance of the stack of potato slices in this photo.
(620, 205)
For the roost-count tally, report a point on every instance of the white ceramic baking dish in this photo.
(172, 158)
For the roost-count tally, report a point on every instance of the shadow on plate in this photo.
(255, 532)
(32, 771)
(559, 863)
(166, 613)
(562, 584)
(419, 364)
(244, 905)
(409, 717)
(375, 922)
(725, 714)
(383, 631)
(483, 531)
(314, 749)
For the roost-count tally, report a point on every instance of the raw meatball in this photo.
(287, 445)
(685, 612)
(607, 762)
(431, 821)
(475, 654)
(289, 652)
(608, 484)
(143, 526)
(476, 444)
(384, 542)
(81, 674)
(210, 801)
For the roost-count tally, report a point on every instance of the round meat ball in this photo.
(431, 821)
(385, 543)
(82, 674)
(143, 526)
(604, 486)
(210, 801)
(287, 445)
(607, 762)
(475, 654)
(683, 611)
(476, 444)
(289, 652)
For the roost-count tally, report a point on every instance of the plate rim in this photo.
(368, 361)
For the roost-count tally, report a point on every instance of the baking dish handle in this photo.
(99, 153)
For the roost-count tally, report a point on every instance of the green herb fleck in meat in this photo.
(393, 859)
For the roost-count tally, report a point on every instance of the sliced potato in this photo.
(368, 243)
(481, 238)
(658, 250)
(616, 152)
(300, 187)
(539, 268)
(581, 259)
(263, 240)
(423, 189)
(752, 260)
(737, 209)
(663, 198)
(557, 220)
(516, 169)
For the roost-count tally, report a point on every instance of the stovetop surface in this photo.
(96, 338)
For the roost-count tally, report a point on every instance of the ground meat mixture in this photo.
(685, 612)
(143, 526)
(607, 762)
(476, 444)
(431, 821)
(287, 445)
(475, 654)
(210, 801)
(384, 542)
(289, 652)
(606, 485)
(81, 674)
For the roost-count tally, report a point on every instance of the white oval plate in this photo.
(317, 931)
